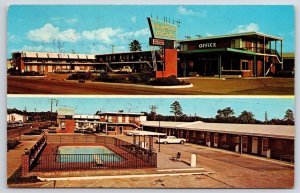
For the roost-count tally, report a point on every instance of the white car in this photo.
(171, 139)
(126, 69)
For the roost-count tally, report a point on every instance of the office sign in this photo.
(208, 45)
(162, 30)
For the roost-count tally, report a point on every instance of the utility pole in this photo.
(153, 109)
(266, 117)
(51, 104)
(112, 48)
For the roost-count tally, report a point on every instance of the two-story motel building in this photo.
(249, 54)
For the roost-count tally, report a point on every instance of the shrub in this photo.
(16, 178)
(169, 81)
(73, 77)
(134, 79)
(81, 76)
(146, 77)
(11, 144)
(34, 132)
(107, 78)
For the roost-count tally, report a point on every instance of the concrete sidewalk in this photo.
(14, 156)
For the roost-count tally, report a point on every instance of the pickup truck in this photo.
(126, 69)
(171, 139)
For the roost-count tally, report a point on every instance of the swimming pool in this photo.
(77, 154)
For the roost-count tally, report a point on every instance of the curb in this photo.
(120, 176)
(245, 155)
(27, 76)
(136, 85)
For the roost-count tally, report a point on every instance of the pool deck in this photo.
(14, 156)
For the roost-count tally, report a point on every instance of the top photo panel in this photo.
(151, 50)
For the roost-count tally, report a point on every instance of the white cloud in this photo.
(103, 34)
(48, 33)
(245, 28)
(133, 19)
(184, 11)
(69, 35)
(134, 34)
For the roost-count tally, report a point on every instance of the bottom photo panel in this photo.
(150, 142)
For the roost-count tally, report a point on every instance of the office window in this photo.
(245, 65)
(236, 43)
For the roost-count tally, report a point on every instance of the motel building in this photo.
(44, 62)
(271, 141)
(250, 54)
(109, 123)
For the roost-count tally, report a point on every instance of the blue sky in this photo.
(93, 29)
(204, 107)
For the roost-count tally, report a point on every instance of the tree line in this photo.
(226, 115)
(34, 116)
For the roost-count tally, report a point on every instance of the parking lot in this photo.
(55, 84)
(220, 169)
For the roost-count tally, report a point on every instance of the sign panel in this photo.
(162, 30)
(156, 42)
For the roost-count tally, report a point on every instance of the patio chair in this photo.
(176, 157)
(98, 160)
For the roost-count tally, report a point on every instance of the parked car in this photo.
(126, 69)
(52, 130)
(171, 139)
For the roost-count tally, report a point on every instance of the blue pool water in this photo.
(86, 154)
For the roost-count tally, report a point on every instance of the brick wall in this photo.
(170, 64)
(25, 165)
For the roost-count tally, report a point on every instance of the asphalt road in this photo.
(16, 132)
(54, 84)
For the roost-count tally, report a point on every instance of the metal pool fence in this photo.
(126, 155)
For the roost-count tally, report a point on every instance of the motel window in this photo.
(110, 128)
(194, 134)
(223, 139)
(109, 118)
(236, 43)
(202, 135)
(137, 118)
(245, 65)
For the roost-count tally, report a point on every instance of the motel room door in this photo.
(245, 144)
(216, 139)
(126, 119)
(254, 145)
(121, 130)
(265, 146)
(207, 139)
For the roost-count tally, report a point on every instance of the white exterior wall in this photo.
(15, 117)
(143, 118)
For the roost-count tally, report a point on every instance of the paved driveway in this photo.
(54, 84)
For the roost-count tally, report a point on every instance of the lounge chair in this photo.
(98, 160)
(176, 157)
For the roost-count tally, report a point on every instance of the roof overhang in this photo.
(246, 34)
